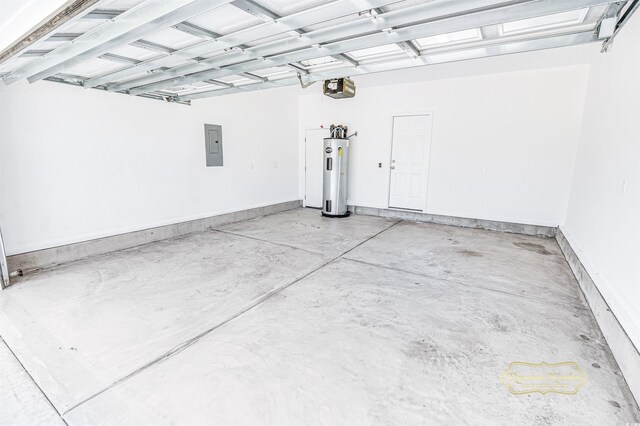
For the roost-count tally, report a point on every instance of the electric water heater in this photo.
(336, 172)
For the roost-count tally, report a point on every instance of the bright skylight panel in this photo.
(573, 17)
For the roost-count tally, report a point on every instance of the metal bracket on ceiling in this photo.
(626, 16)
(303, 84)
(173, 99)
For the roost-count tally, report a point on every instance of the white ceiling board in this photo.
(450, 38)
(232, 79)
(328, 66)
(201, 85)
(120, 4)
(333, 22)
(374, 52)
(274, 71)
(207, 88)
(225, 19)
(406, 3)
(564, 19)
(267, 40)
(287, 7)
(94, 67)
(133, 52)
(83, 26)
(173, 38)
(137, 76)
(17, 62)
(318, 61)
(47, 45)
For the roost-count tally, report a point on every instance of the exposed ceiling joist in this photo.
(256, 9)
(68, 13)
(196, 31)
(407, 46)
(103, 14)
(343, 31)
(198, 54)
(59, 37)
(322, 13)
(119, 58)
(35, 53)
(463, 21)
(499, 49)
(154, 47)
(126, 28)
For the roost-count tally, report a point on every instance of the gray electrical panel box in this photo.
(213, 144)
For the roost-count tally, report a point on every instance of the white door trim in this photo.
(306, 131)
(427, 165)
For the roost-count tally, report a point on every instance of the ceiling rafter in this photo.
(70, 12)
(463, 20)
(128, 27)
(278, 50)
(406, 46)
(341, 31)
(499, 49)
(294, 21)
(60, 37)
(103, 14)
(261, 12)
(118, 58)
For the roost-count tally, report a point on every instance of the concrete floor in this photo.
(297, 319)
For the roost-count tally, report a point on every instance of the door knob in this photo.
(393, 167)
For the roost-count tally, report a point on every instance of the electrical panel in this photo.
(213, 145)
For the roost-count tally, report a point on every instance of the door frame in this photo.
(304, 197)
(427, 165)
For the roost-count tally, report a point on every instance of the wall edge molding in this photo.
(46, 258)
(464, 222)
(622, 347)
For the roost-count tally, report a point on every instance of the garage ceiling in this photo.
(179, 50)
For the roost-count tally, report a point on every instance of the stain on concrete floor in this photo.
(384, 323)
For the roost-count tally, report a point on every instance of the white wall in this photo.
(79, 164)
(602, 221)
(503, 144)
(16, 22)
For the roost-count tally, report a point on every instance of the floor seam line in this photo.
(368, 239)
(265, 241)
(465, 284)
(188, 343)
(33, 381)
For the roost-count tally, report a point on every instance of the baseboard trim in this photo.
(491, 225)
(622, 347)
(49, 257)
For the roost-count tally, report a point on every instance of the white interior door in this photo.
(410, 162)
(313, 167)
